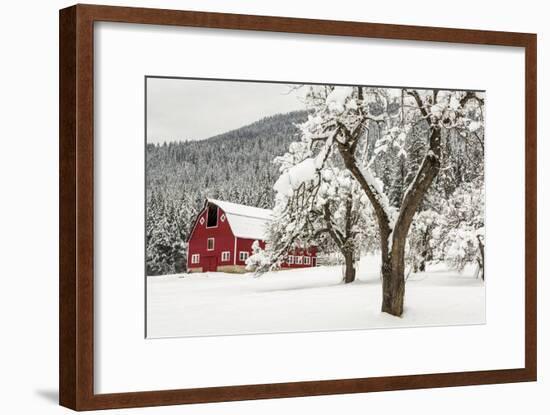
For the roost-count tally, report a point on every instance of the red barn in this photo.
(222, 236)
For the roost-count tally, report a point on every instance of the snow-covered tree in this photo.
(165, 241)
(342, 214)
(259, 259)
(315, 206)
(420, 246)
(461, 230)
(340, 124)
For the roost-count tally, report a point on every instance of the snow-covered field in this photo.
(311, 299)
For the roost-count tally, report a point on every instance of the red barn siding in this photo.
(310, 253)
(223, 241)
(245, 245)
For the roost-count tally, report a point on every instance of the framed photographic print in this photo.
(257, 207)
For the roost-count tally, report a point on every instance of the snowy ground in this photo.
(306, 300)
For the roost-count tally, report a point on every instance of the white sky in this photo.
(187, 109)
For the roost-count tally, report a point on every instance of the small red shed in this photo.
(222, 236)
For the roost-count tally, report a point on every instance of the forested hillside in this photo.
(236, 166)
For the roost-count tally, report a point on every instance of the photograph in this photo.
(277, 207)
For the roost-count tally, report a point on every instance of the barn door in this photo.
(211, 264)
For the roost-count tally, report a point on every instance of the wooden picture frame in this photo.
(76, 232)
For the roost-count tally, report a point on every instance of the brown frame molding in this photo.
(76, 214)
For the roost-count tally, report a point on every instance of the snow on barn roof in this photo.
(245, 221)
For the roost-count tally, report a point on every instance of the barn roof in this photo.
(245, 221)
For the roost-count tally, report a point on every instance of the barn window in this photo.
(225, 256)
(210, 244)
(290, 260)
(195, 258)
(212, 218)
(299, 260)
(307, 260)
(243, 256)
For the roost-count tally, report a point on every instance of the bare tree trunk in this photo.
(344, 240)
(349, 275)
(481, 260)
(426, 254)
(422, 266)
(393, 285)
